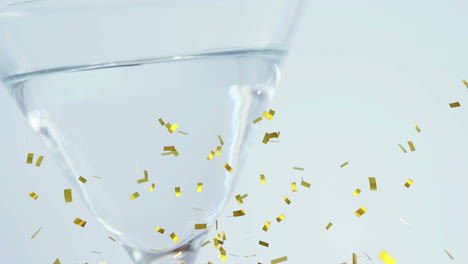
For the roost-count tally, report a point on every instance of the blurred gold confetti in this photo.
(83, 180)
(329, 225)
(286, 200)
(344, 164)
(171, 128)
(30, 157)
(404, 221)
(386, 258)
(266, 226)
(250, 256)
(402, 148)
(161, 121)
(269, 136)
(293, 187)
(158, 250)
(450, 255)
(465, 83)
(354, 258)
(96, 252)
(223, 235)
(79, 222)
(240, 199)
(111, 238)
(367, 256)
(357, 192)
(238, 213)
(411, 146)
(35, 233)
(134, 196)
(268, 115)
(33, 195)
(408, 183)
(257, 120)
(305, 184)
(198, 209)
(145, 179)
(210, 156)
(360, 211)
(372, 184)
(417, 128)
(182, 132)
(220, 140)
(218, 151)
(176, 255)
(177, 192)
(200, 226)
(455, 104)
(172, 150)
(262, 179)
(67, 193)
(278, 260)
(228, 168)
(39, 161)
(280, 218)
(205, 243)
(57, 261)
(96, 177)
(265, 244)
(216, 224)
(298, 168)
(222, 254)
(174, 237)
(151, 188)
(160, 230)
(199, 187)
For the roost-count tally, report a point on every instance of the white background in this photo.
(359, 75)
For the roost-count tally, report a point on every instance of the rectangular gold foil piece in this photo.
(172, 128)
(35, 233)
(200, 226)
(286, 200)
(210, 156)
(151, 188)
(450, 255)
(39, 161)
(83, 180)
(223, 235)
(355, 258)
(205, 243)
(329, 225)
(278, 260)
(177, 192)
(357, 192)
(67, 193)
(238, 213)
(305, 184)
(372, 184)
(262, 243)
(111, 238)
(262, 179)
(408, 183)
(257, 120)
(199, 187)
(174, 237)
(218, 151)
(176, 255)
(29, 159)
(145, 179)
(160, 230)
(268, 115)
(386, 258)
(161, 121)
(57, 261)
(298, 168)
(411, 146)
(293, 187)
(465, 83)
(360, 211)
(344, 164)
(79, 222)
(134, 196)
(228, 168)
(182, 132)
(280, 218)
(220, 140)
(417, 128)
(172, 150)
(402, 148)
(239, 199)
(455, 104)
(269, 136)
(266, 226)
(33, 195)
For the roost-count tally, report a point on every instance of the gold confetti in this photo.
(215, 242)
(200, 226)
(218, 151)
(35, 233)
(280, 218)
(96, 252)
(161, 121)
(404, 221)
(198, 209)
(33, 195)
(210, 156)
(67, 193)
(402, 148)
(96, 177)
(408, 183)
(239, 199)
(367, 256)
(465, 83)
(265, 244)
(220, 140)
(174, 237)
(411, 146)
(298, 168)
(145, 179)
(176, 255)
(305, 184)
(177, 192)
(250, 256)
(269, 136)
(171, 128)
(157, 250)
(234, 255)
(386, 258)
(223, 235)
(57, 261)
(286, 200)
(79, 222)
(134, 196)
(262, 179)
(30, 157)
(205, 243)
(266, 226)
(372, 184)
(360, 211)
(39, 161)
(357, 192)
(199, 187)
(417, 128)
(160, 230)
(172, 150)
(450, 255)
(344, 164)
(354, 258)
(456, 104)
(83, 180)
(111, 238)
(244, 196)
(278, 260)
(257, 120)
(228, 168)
(293, 187)
(216, 224)
(238, 213)
(151, 188)
(329, 225)
(222, 254)
(182, 132)
(268, 115)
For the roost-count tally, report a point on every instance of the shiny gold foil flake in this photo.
(134, 196)
(210, 156)
(262, 179)
(199, 187)
(176, 255)
(35, 233)
(200, 226)
(344, 164)
(450, 255)
(372, 184)
(223, 235)
(96, 177)
(151, 188)
(161, 121)
(228, 168)
(269, 136)
(404, 221)
(417, 128)
(177, 192)
(465, 83)
(278, 260)
(402, 148)
(205, 243)
(233, 255)
(239, 199)
(174, 237)
(360, 211)
(171, 128)
(455, 104)
(83, 180)
(408, 183)
(57, 261)
(172, 150)
(216, 224)
(67, 193)
(220, 140)
(329, 225)
(268, 115)
(215, 243)
(354, 258)
(182, 132)
(357, 192)
(223, 254)
(111, 238)
(280, 218)
(257, 120)
(305, 184)
(298, 168)
(238, 213)
(250, 256)
(79, 222)
(386, 258)
(33, 195)
(266, 226)
(262, 243)
(145, 179)
(29, 159)
(39, 161)
(411, 145)
(286, 200)
(245, 196)
(293, 187)
(218, 151)
(160, 230)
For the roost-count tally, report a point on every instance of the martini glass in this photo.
(134, 96)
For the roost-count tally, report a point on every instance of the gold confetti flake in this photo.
(145, 179)
(223, 254)
(218, 151)
(402, 148)
(160, 230)
(417, 128)
(67, 193)
(35, 233)
(57, 261)
(408, 183)
(245, 196)
(238, 213)
(177, 192)
(354, 258)
(465, 83)
(257, 120)
(278, 260)
(404, 221)
(198, 209)
(305, 184)
(269, 136)
(172, 150)
(223, 235)
(411, 146)
(250, 256)
(386, 258)
(228, 168)
(200, 226)
(210, 156)
(286, 200)
(298, 168)
(205, 243)
(268, 115)
(151, 188)
(261, 243)
(372, 184)
(215, 243)
(239, 199)
(83, 180)
(344, 164)
(262, 179)
(96, 177)
(174, 237)
(39, 161)
(266, 226)
(360, 211)
(199, 187)
(182, 132)
(216, 224)
(79, 222)
(96, 252)
(30, 158)
(450, 255)
(455, 104)
(134, 196)
(293, 187)
(329, 225)
(158, 250)
(33, 195)
(176, 255)
(111, 238)
(280, 218)
(171, 128)
(161, 121)
(220, 140)
(357, 192)
(367, 256)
